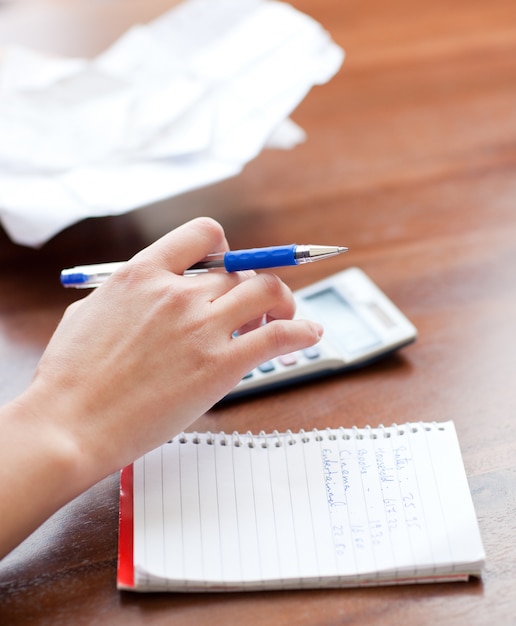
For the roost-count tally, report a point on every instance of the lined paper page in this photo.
(323, 508)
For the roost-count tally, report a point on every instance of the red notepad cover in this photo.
(125, 573)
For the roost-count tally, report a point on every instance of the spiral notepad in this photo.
(333, 508)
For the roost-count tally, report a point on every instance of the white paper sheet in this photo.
(336, 508)
(177, 104)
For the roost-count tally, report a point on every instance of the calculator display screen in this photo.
(344, 326)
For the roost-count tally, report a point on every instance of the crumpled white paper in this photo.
(182, 102)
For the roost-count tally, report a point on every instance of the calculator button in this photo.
(312, 352)
(268, 366)
(249, 375)
(288, 359)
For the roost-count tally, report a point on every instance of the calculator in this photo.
(361, 325)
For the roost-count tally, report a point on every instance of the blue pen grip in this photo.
(260, 258)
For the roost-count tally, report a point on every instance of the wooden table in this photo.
(411, 162)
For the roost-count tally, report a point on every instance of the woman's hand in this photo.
(151, 350)
(138, 360)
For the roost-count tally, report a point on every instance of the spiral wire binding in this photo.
(277, 439)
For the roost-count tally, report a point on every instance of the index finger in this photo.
(185, 245)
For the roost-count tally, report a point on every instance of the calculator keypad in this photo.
(286, 360)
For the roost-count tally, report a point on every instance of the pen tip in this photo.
(323, 252)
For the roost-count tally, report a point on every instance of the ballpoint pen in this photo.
(89, 276)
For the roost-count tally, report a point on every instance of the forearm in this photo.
(39, 471)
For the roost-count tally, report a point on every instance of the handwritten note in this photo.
(323, 508)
